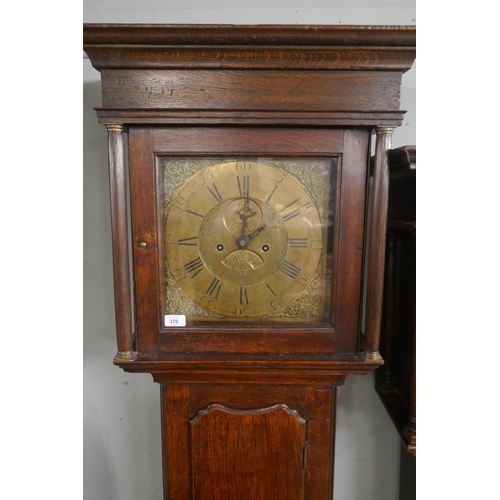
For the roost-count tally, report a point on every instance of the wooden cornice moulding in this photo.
(160, 116)
(250, 47)
(228, 34)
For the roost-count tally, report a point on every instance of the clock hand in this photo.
(261, 228)
(257, 232)
(243, 219)
(244, 215)
(242, 240)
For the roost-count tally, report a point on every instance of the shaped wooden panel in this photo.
(239, 454)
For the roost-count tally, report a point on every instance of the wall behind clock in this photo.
(122, 459)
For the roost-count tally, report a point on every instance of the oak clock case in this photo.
(246, 239)
(244, 152)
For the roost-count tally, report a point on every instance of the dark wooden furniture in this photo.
(248, 403)
(396, 380)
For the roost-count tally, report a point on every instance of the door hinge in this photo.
(304, 455)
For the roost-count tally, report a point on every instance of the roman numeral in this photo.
(298, 242)
(188, 242)
(195, 267)
(243, 295)
(290, 269)
(272, 192)
(214, 287)
(270, 289)
(244, 185)
(291, 215)
(215, 192)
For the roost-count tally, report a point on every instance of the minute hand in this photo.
(258, 231)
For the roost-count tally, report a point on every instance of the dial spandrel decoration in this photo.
(246, 239)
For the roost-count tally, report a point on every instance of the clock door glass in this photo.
(247, 239)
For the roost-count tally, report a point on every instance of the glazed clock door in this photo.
(247, 240)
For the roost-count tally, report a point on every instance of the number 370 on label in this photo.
(173, 320)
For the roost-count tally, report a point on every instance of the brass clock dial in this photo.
(243, 239)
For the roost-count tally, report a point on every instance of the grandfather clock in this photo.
(239, 283)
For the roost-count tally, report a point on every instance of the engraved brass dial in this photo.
(243, 239)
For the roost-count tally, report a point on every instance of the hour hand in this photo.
(244, 240)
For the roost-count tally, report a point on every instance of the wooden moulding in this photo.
(256, 47)
(251, 369)
(156, 116)
(253, 35)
